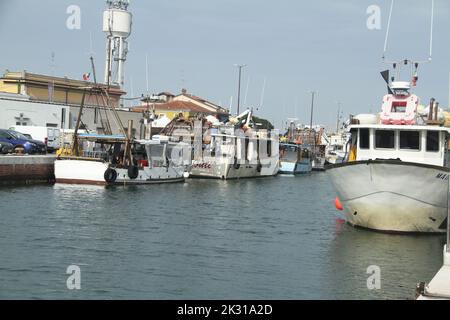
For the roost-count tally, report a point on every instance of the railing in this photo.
(448, 217)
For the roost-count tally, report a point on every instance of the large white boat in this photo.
(230, 155)
(395, 176)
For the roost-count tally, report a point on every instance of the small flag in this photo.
(415, 79)
(86, 76)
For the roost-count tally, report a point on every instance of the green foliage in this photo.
(263, 123)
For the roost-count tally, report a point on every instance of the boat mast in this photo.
(313, 93)
(75, 147)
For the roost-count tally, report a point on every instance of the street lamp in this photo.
(240, 67)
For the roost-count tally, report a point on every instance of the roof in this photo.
(203, 101)
(180, 106)
(40, 79)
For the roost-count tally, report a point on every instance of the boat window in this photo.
(398, 106)
(385, 139)
(364, 139)
(410, 140)
(433, 141)
(155, 151)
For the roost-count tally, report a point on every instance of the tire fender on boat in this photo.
(133, 172)
(236, 164)
(110, 175)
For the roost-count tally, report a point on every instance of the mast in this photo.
(75, 147)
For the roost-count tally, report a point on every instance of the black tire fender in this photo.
(110, 175)
(259, 167)
(236, 165)
(133, 172)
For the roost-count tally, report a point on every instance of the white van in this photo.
(48, 135)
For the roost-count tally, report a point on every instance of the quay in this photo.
(439, 286)
(26, 169)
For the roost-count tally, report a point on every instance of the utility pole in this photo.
(240, 67)
(338, 117)
(313, 93)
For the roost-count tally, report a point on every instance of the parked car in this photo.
(47, 135)
(6, 147)
(19, 141)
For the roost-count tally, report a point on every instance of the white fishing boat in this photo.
(151, 163)
(294, 159)
(230, 153)
(105, 159)
(396, 174)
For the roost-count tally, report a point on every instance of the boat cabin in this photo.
(246, 149)
(418, 144)
(290, 152)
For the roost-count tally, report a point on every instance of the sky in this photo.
(293, 46)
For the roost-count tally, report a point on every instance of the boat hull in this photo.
(92, 172)
(295, 167)
(225, 170)
(392, 196)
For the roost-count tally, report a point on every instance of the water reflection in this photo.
(404, 261)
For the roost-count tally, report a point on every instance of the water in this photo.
(274, 238)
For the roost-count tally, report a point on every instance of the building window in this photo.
(63, 118)
(364, 139)
(95, 115)
(384, 139)
(51, 125)
(433, 141)
(410, 140)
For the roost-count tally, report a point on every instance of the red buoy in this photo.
(338, 204)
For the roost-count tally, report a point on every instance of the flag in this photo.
(86, 76)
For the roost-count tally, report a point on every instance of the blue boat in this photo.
(294, 159)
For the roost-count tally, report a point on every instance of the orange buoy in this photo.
(338, 204)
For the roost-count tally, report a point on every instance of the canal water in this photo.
(274, 238)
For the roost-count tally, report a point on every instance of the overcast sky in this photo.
(297, 46)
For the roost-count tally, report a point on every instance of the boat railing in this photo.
(448, 218)
(95, 154)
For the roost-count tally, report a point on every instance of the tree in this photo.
(263, 123)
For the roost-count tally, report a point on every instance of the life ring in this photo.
(133, 172)
(110, 175)
(236, 165)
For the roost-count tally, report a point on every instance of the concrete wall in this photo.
(13, 111)
(26, 169)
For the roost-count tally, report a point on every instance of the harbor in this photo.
(261, 184)
(200, 245)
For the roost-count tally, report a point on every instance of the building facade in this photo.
(39, 100)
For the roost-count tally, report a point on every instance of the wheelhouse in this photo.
(418, 144)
